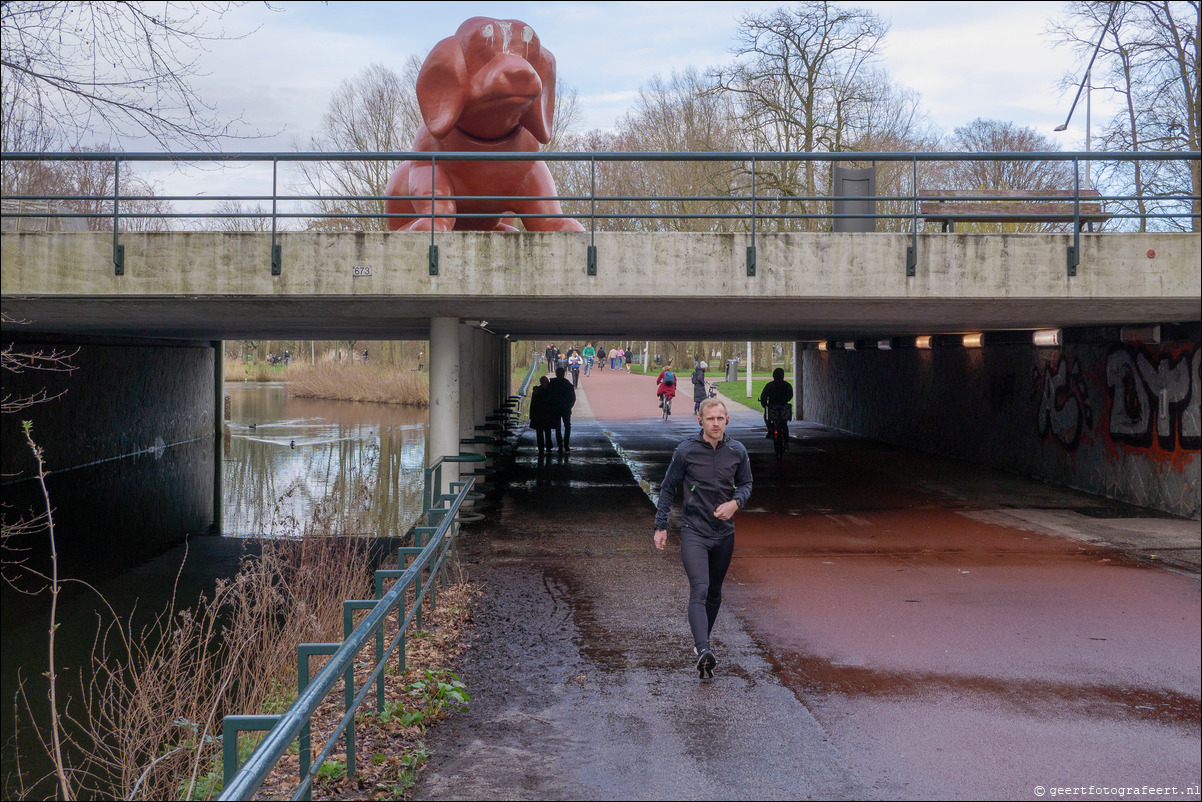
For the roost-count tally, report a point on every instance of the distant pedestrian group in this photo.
(552, 399)
(581, 361)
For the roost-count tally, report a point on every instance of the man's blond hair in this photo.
(711, 402)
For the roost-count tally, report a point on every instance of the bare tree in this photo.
(236, 217)
(569, 114)
(84, 187)
(997, 136)
(121, 68)
(683, 114)
(803, 79)
(374, 112)
(679, 114)
(1149, 59)
(897, 123)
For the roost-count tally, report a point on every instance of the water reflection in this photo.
(285, 457)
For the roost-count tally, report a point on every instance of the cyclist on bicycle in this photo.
(777, 393)
(665, 385)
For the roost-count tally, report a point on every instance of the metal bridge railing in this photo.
(432, 543)
(742, 204)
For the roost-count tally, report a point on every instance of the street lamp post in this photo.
(1087, 86)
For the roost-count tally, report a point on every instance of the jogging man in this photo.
(716, 475)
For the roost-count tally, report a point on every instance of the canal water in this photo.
(170, 522)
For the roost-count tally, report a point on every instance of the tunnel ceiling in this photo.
(719, 318)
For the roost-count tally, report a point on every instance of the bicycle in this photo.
(667, 406)
(778, 426)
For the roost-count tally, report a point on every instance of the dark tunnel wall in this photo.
(1114, 419)
(119, 401)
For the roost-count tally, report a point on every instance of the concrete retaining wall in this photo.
(120, 400)
(1117, 420)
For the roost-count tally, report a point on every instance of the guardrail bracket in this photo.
(433, 260)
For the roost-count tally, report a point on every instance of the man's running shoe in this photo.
(705, 664)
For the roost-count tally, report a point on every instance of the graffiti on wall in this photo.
(1154, 398)
(1064, 409)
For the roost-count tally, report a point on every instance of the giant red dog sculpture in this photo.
(489, 88)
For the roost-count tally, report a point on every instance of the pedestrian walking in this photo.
(550, 355)
(716, 474)
(575, 363)
(563, 398)
(543, 417)
(616, 357)
(699, 389)
(629, 358)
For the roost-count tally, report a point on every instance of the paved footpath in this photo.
(895, 626)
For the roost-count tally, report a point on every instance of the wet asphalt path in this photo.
(894, 627)
(581, 672)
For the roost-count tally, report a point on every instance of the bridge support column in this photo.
(798, 398)
(444, 395)
(467, 387)
(482, 374)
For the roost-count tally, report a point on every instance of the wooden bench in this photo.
(951, 206)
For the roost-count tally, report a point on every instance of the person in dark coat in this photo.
(542, 416)
(699, 389)
(563, 398)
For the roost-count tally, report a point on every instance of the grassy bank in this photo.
(359, 383)
(737, 391)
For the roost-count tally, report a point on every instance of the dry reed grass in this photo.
(359, 383)
(146, 724)
(238, 371)
(155, 704)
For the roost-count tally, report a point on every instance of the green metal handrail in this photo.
(525, 389)
(432, 544)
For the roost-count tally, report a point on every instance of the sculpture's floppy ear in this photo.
(538, 118)
(442, 87)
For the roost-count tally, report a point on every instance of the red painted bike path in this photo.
(947, 646)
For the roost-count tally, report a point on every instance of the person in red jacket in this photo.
(665, 385)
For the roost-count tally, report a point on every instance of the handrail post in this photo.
(231, 726)
(277, 255)
(304, 741)
(751, 248)
(433, 260)
(912, 249)
(118, 250)
(1074, 250)
(591, 267)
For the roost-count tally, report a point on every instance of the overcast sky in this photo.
(966, 59)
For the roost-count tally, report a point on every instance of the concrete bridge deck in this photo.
(210, 286)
